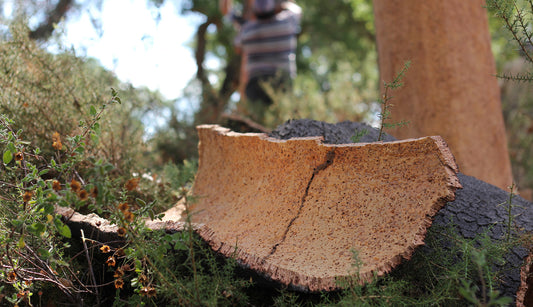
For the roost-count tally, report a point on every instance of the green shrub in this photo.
(49, 93)
(344, 99)
(40, 255)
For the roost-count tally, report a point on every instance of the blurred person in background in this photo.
(267, 41)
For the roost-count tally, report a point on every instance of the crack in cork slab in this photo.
(330, 156)
(257, 203)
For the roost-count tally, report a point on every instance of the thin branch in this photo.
(91, 272)
(46, 28)
(247, 121)
(511, 26)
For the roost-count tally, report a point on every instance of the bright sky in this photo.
(137, 47)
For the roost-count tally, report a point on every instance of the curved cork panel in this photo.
(296, 210)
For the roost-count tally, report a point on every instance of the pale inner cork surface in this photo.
(297, 209)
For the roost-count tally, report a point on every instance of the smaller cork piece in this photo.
(298, 210)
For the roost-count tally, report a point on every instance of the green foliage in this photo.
(176, 269)
(35, 241)
(32, 235)
(85, 164)
(343, 101)
(448, 271)
(515, 17)
(356, 138)
(385, 101)
(175, 141)
(48, 93)
(510, 217)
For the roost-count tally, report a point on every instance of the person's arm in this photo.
(291, 6)
(237, 42)
(224, 6)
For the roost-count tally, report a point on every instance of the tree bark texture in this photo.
(450, 89)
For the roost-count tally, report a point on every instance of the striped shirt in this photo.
(270, 44)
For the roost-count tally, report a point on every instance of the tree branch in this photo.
(45, 29)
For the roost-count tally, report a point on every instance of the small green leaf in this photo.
(180, 245)
(43, 252)
(8, 156)
(17, 223)
(94, 138)
(43, 172)
(63, 202)
(138, 266)
(140, 202)
(63, 229)
(108, 167)
(37, 228)
(11, 147)
(48, 208)
(92, 111)
(21, 242)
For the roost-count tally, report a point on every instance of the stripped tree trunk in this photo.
(450, 89)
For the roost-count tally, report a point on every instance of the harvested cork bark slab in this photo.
(296, 210)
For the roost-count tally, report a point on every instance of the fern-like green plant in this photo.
(517, 17)
(386, 106)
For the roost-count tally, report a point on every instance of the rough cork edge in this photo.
(297, 281)
(448, 161)
(223, 131)
(313, 284)
(524, 295)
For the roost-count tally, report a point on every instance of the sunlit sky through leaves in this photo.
(138, 44)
